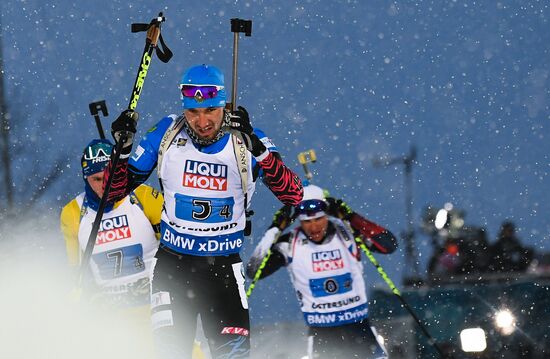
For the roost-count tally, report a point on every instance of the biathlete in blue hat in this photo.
(208, 160)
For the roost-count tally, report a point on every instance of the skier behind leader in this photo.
(129, 230)
(121, 262)
(324, 264)
(208, 177)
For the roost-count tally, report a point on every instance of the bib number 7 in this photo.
(120, 262)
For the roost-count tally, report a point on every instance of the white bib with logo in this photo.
(124, 251)
(328, 279)
(204, 210)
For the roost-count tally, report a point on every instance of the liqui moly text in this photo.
(113, 229)
(327, 260)
(204, 175)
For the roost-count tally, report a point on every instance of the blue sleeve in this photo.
(145, 156)
(267, 143)
(265, 140)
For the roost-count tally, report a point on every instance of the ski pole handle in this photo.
(153, 34)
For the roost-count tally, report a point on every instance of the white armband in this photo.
(267, 240)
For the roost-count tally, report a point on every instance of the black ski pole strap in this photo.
(140, 27)
(165, 54)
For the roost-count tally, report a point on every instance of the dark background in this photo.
(466, 82)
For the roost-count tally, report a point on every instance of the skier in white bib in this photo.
(208, 160)
(324, 264)
(121, 262)
(122, 259)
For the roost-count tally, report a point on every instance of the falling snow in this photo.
(464, 83)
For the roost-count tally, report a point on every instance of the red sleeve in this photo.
(119, 186)
(284, 183)
(379, 238)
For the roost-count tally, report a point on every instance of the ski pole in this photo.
(397, 293)
(95, 107)
(152, 37)
(304, 158)
(265, 259)
(258, 273)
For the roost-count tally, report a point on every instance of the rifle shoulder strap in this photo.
(241, 156)
(167, 138)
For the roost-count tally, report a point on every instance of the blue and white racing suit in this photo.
(198, 269)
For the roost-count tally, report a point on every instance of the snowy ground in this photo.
(42, 317)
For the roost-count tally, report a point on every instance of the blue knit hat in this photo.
(203, 75)
(95, 157)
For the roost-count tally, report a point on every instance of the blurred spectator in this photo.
(465, 254)
(474, 250)
(507, 253)
(446, 260)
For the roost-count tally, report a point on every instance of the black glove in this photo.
(125, 124)
(239, 123)
(338, 208)
(283, 217)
